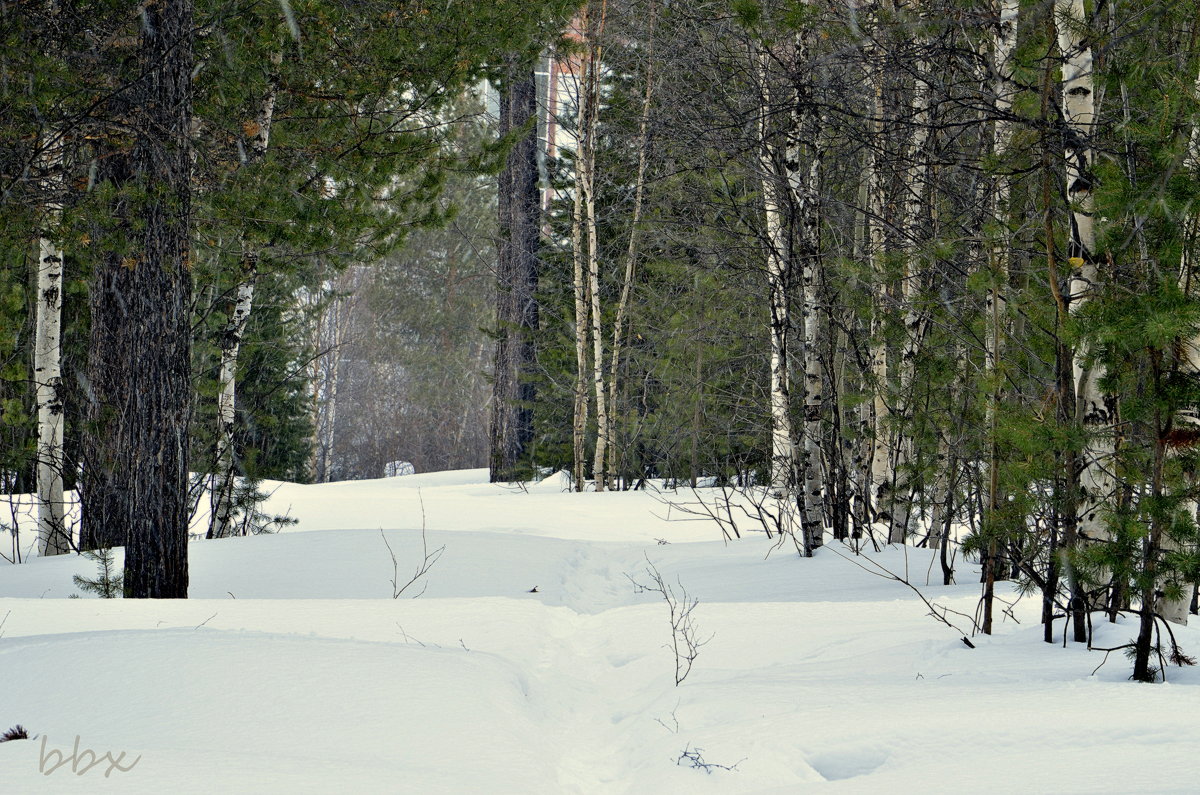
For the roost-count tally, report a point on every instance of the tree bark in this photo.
(519, 203)
(878, 479)
(804, 181)
(1094, 408)
(779, 277)
(639, 192)
(53, 535)
(580, 284)
(222, 508)
(136, 451)
(221, 504)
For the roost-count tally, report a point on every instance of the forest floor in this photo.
(532, 661)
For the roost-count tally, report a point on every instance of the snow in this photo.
(291, 668)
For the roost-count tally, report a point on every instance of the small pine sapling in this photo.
(109, 584)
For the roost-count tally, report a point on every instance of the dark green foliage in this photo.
(108, 582)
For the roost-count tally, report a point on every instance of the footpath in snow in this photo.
(532, 662)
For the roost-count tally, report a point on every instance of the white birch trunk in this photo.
(331, 334)
(582, 310)
(222, 505)
(53, 537)
(1093, 408)
(916, 177)
(879, 469)
(783, 446)
(603, 429)
(221, 519)
(804, 175)
(588, 148)
(1004, 43)
(864, 444)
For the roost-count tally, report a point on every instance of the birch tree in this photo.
(783, 468)
(585, 250)
(1094, 409)
(53, 535)
(258, 133)
(631, 251)
(804, 172)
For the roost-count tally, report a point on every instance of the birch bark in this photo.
(915, 234)
(582, 312)
(878, 476)
(779, 276)
(804, 174)
(53, 537)
(603, 424)
(1094, 409)
(222, 507)
(222, 503)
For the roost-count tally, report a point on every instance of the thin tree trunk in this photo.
(1004, 44)
(783, 445)
(1177, 610)
(582, 313)
(804, 180)
(1095, 409)
(592, 103)
(519, 205)
(631, 252)
(916, 234)
(1067, 485)
(222, 507)
(53, 536)
(879, 468)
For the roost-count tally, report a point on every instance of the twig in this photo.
(933, 608)
(685, 643)
(692, 757)
(427, 562)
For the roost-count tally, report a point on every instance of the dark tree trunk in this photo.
(516, 280)
(136, 447)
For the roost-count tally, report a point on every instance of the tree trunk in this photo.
(779, 277)
(916, 233)
(582, 312)
(1177, 610)
(136, 451)
(879, 471)
(53, 536)
(222, 508)
(631, 252)
(586, 185)
(516, 282)
(1095, 409)
(804, 180)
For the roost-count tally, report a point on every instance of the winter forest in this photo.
(852, 335)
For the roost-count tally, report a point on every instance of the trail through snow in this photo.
(292, 670)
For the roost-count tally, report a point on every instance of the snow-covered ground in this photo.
(292, 669)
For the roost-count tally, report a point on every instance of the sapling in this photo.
(685, 638)
(109, 584)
